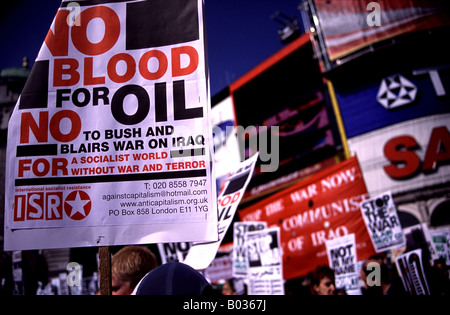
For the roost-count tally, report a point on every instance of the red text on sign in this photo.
(66, 70)
(57, 41)
(400, 151)
(41, 128)
(38, 206)
(41, 167)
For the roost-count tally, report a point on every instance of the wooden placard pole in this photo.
(104, 257)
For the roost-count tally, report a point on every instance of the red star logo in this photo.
(77, 205)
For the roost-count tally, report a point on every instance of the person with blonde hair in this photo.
(128, 266)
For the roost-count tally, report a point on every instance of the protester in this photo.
(322, 281)
(233, 286)
(128, 266)
(297, 286)
(174, 278)
(227, 288)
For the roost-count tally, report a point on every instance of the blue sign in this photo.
(395, 98)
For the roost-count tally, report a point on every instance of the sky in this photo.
(240, 33)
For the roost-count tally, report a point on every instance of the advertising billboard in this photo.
(285, 102)
(406, 156)
(390, 97)
(350, 25)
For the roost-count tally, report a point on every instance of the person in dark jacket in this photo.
(174, 278)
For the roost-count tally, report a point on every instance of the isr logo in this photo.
(50, 206)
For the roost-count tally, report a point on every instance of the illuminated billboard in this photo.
(400, 90)
(287, 91)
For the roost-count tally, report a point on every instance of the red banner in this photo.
(320, 208)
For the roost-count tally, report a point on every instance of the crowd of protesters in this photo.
(136, 270)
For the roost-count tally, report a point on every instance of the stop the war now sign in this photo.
(381, 219)
(324, 207)
(109, 143)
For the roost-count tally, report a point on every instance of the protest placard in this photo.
(382, 222)
(201, 254)
(239, 247)
(410, 269)
(441, 241)
(264, 262)
(342, 259)
(110, 141)
(173, 251)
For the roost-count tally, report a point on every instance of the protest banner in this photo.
(110, 142)
(382, 222)
(441, 241)
(239, 247)
(173, 251)
(264, 262)
(201, 254)
(322, 207)
(410, 269)
(342, 259)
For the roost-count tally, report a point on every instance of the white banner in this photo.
(201, 254)
(265, 263)
(382, 222)
(342, 259)
(110, 141)
(239, 247)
